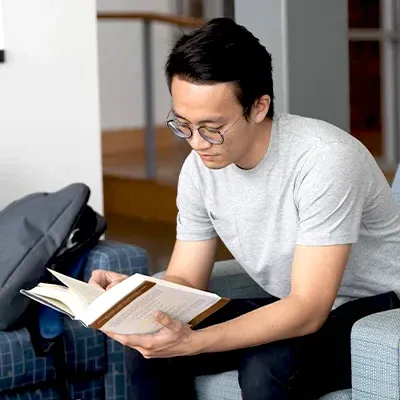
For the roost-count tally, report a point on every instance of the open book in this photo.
(128, 307)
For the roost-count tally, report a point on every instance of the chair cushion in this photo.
(229, 279)
(223, 386)
(38, 394)
(117, 257)
(18, 363)
(339, 395)
(85, 348)
(82, 388)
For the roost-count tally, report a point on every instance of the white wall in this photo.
(49, 112)
(309, 47)
(266, 20)
(121, 64)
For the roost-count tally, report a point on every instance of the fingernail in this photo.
(159, 314)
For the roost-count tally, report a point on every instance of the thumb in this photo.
(97, 279)
(167, 322)
(113, 283)
(115, 280)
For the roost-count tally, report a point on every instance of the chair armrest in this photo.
(118, 257)
(229, 279)
(375, 356)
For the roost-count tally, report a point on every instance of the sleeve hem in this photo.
(194, 237)
(326, 241)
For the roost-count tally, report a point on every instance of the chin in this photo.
(215, 164)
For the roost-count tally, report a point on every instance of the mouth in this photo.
(207, 156)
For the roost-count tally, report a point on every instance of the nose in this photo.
(198, 143)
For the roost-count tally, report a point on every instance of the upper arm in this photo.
(194, 251)
(317, 272)
(331, 195)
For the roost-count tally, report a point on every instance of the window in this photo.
(374, 76)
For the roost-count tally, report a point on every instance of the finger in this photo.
(115, 282)
(127, 340)
(98, 278)
(167, 322)
(106, 279)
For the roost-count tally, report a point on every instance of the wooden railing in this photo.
(177, 20)
(148, 19)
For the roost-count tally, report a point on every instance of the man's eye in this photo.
(211, 129)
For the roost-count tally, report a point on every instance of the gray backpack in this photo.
(39, 231)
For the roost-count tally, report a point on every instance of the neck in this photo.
(258, 147)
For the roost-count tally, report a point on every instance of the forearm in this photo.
(177, 279)
(286, 318)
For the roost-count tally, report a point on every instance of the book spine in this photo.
(120, 305)
(206, 313)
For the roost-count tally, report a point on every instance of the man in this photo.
(301, 205)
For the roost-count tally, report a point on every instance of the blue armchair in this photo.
(94, 365)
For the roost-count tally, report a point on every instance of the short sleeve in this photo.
(330, 194)
(193, 222)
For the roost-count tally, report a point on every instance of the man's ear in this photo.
(260, 108)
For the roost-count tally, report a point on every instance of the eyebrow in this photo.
(210, 120)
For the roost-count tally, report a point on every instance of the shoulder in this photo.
(310, 132)
(310, 142)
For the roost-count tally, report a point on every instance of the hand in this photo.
(174, 339)
(106, 279)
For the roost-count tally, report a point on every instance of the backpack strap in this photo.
(50, 321)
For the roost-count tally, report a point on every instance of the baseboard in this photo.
(140, 198)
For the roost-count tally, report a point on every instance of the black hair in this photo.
(223, 51)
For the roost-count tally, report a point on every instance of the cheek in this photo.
(235, 145)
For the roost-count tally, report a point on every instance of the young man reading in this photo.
(300, 204)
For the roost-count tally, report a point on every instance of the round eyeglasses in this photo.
(211, 135)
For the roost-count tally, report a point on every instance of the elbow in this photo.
(314, 316)
(313, 327)
(314, 324)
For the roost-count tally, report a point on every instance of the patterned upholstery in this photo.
(339, 395)
(85, 349)
(19, 366)
(376, 371)
(117, 257)
(125, 259)
(218, 387)
(37, 394)
(94, 363)
(87, 390)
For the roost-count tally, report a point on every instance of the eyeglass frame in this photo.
(221, 134)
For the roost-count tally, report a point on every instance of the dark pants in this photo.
(301, 368)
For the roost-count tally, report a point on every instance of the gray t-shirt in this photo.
(317, 185)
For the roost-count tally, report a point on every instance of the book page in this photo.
(85, 292)
(134, 314)
(178, 286)
(49, 302)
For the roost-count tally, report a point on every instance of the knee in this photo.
(132, 360)
(263, 377)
